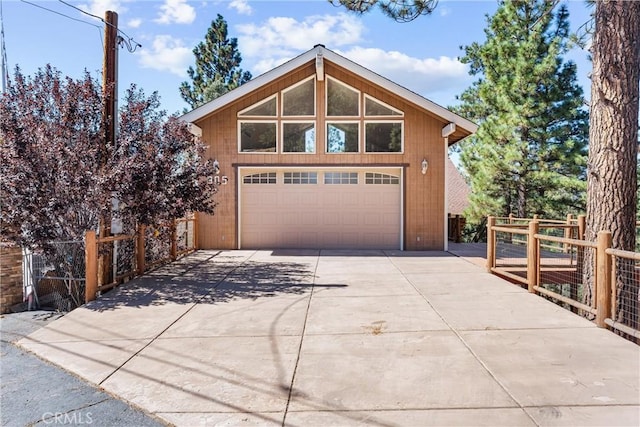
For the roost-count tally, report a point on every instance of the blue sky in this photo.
(421, 55)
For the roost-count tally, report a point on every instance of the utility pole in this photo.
(110, 78)
(110, 123)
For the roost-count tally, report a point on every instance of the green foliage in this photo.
(217, 67)
(529, 154)
(400, 10)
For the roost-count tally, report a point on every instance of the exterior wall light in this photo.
(425, 166)
(216, 167)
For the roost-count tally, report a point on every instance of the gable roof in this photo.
(465, 126)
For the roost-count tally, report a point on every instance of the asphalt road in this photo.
(36, 393)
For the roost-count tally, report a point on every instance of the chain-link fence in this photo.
(561, 264)
(626, 290)
(55, 278)
(157, 245)
(511, 252)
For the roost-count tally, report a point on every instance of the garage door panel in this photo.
(349, 218)
(371, 218)
(320, 215)
(330, 218)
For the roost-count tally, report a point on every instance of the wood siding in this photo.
(424, 212)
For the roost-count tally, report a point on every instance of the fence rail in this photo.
(113, 260)
(553, 260)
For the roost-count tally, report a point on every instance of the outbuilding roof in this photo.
(463, 126)
(458, 190)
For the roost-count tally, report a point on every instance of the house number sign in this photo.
(221, 180)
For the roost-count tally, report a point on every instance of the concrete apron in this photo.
(344, 338)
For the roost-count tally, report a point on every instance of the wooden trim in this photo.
(564, 299)
(320, 165)
(91, 266)
(511, 276)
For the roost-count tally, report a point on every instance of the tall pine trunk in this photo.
(613, 138)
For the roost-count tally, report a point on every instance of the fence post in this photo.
(532, 256)
(603, 279)
(582, 225)
(140, 250)
(195, 231)
(567, 233)
(91, 266)
(174, 244)
(491, 243)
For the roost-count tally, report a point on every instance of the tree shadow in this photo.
(209, 280)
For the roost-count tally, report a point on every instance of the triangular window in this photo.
(373, 107)
(265, 108)
(300, 99)
(342, 100)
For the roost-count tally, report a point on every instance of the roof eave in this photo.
(299, 61)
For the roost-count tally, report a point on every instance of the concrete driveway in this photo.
(377, 338)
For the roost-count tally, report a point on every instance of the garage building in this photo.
(321, 152)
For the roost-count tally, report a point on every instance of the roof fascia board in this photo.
(341, 61)
(250, 86)
(400, 91)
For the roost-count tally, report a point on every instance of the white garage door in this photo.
(320, 208)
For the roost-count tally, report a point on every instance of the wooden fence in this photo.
(550, 258)
(113, 260)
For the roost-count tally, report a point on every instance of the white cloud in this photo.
(241, 6)
(134, 23)
(283, 37)
(176, 11)
(99, 7)
(421, 75)
(444, 11)
(167, 54)
(277, 40)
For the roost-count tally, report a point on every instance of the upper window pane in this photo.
(260, 178)
(373, 107)
(300, 177)
(265, 108)
(299, 100)
(342, 137)
(298, 138)
(383, 137)
(342, 100)
(341, 177)
(381, 178)
(258, 137)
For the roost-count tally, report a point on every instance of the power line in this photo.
(59, 13)
(128, 41)
(4, 79)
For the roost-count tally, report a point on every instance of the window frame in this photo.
(326, 135)
(315, 138)
(326, 99)
(241, 114)
(375, 175)
(384, 104)
(350, 176)
(239, 124)
(308, 177)
(260, 176)
(280, 112)
(364, 136)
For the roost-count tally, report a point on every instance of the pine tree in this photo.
(529, 154)
(217, 67)
(612, 186)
